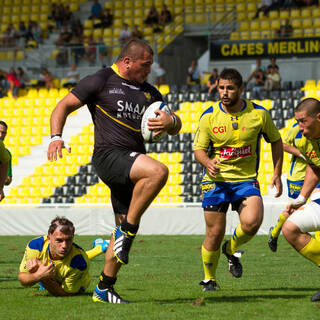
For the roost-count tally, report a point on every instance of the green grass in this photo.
(162, 282)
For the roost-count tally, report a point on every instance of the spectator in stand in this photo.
(106, 19)
(102, 50)
(22, 77)
(45, 79)
(159, 72)
(64, 37)
(272, 79)
(34, 34)
(259, 83)
(9, 36)
(67, 16)
(14, 83)
(165, 16)
(77, 48)
(125, 34)
(3, 133)
(285, 30)
(22, 34)
(265, 7)
(91, 51)
(273, 63)
(152, 17)
(4, 84)
(193, 73)
(255, 68)
(96, 10)
(136, 33)
(212, 83)
(72, 76)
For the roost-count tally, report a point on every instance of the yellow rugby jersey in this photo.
(310, 149)
(235, 139)
(4, 154)
(72, 271)
(298, 166)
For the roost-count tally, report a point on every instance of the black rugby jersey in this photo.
(116, 107)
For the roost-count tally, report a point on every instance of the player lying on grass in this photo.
(295, 178)
(57, 262)
(297, 227)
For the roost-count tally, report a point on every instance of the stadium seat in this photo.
(307, 23)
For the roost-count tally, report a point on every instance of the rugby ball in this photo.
(148, 135)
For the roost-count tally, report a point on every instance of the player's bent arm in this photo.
(28, 279)
(55, 288)
(293, 150)
(277, 158)
(311, 179)
(176, 125)
(58, 118)
(210, 164)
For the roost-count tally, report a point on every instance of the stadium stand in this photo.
(73, 179)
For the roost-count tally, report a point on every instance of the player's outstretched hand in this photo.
(55, 149)
(276, 182)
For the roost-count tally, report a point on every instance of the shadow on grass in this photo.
(242, 298)
(283, 289)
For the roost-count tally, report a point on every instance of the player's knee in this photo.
(290, 230)
(160, 173)
(214, 235)
(251, 227)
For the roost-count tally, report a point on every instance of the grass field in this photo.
(162, 282)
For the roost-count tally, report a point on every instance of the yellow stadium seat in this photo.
(315, 12)
(252, 6)
(255, 34)
(305, 13)
(297, 33)
(295, 13)
(244, 26)
(275, 24)
(273, 14)
(46, 9)
(265, 25)
(25, 9)
(97, 33)
(266, 34)
(284, 14)
(88, 24)
(244, 35)
(254, 25)
(235, 35)
(19, 55)
(296, 23)
(308, 32)
(307, 23)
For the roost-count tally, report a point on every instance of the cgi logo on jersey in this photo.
(220, 129)
(231, 152)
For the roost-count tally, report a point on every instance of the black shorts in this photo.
(113, 168)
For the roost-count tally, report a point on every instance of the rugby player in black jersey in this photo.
(117, 98)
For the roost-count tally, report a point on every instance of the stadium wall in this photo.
(169, 220)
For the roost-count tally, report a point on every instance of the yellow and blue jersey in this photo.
(4, 154)
(234, 139)
(297, 165)
(72, 272)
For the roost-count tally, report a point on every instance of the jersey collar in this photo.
(244, 106)
(115, 68)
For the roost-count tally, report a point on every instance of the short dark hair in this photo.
(232, 75)
(2, 123)
(311, 105)
(134, 49)
(65, 224)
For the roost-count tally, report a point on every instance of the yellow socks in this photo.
(312, 251)
(210, 262)
(96, 251)
(238, 239)
(277, 229)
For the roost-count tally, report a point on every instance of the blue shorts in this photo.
(294, 188)
(215, 193)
